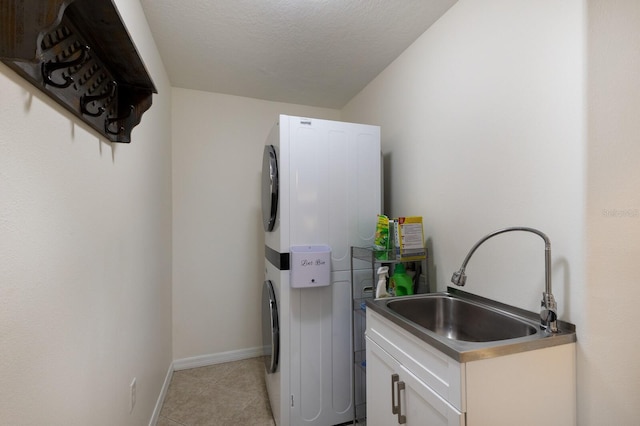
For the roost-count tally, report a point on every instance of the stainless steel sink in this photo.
(468, 327)
(460, 319)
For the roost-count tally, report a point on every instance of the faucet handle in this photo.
(549, 313)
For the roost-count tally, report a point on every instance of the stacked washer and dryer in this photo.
(321, 188)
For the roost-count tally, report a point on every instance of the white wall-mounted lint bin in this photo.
(310, 266)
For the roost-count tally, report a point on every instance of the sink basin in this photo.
(459, 319)
(467, 327)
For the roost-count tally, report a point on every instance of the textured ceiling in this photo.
(310, 52)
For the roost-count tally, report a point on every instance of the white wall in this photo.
(218, 239)
(609, 366)
(85, 276)
(482, 123)
(525, 113)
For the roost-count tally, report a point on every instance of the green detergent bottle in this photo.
(402, 280)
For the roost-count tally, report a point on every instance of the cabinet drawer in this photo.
(442, 374)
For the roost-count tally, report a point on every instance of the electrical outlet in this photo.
(132, 395)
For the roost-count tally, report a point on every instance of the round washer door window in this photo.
(269, 188)
(270, 328)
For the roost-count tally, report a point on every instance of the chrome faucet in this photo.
(549, 308)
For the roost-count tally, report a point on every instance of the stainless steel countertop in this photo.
(464, 351)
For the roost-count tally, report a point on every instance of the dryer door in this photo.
(269, 187)
(270, 329)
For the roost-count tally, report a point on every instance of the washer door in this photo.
(270, 328)
(269, 187)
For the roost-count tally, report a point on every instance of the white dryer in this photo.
(321, 186)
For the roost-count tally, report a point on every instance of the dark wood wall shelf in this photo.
(80, 54)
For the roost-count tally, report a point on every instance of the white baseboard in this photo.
(219, 358)
(200, 361)
(163, 393)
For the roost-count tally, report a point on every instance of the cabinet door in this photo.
(417, 402)
(380, 369)
(423, 406)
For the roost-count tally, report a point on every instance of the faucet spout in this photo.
(549, 308)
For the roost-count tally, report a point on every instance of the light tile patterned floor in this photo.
(232, 393)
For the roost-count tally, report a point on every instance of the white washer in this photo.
(321, 186)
